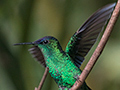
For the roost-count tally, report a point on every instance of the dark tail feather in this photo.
(88, 88)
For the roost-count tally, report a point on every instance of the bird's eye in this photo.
(45, 42)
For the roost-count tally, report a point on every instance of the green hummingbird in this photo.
(64, 65)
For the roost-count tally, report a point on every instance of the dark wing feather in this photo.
(83, 39)
(37, 54)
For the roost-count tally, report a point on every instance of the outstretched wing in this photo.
(37, 54)
(83, 39)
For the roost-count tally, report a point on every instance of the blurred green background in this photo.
(29, 20)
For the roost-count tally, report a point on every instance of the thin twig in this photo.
(99, 48)
(43, 79)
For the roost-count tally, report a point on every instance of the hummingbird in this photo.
(64, 65)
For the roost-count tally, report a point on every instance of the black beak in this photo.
(26, 43)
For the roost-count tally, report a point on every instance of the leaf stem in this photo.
(43, 79)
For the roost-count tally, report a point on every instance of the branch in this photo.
(43, 79)
(99, 48)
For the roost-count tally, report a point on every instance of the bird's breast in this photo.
(63, 71)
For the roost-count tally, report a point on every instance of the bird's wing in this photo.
(37, 54)
(83, 39)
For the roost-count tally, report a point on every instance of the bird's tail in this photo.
(88, 88)
(84, 87)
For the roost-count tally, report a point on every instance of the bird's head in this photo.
(46, 43)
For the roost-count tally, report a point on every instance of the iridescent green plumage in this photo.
(61, 66)
(64, 65)
(59, 63)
